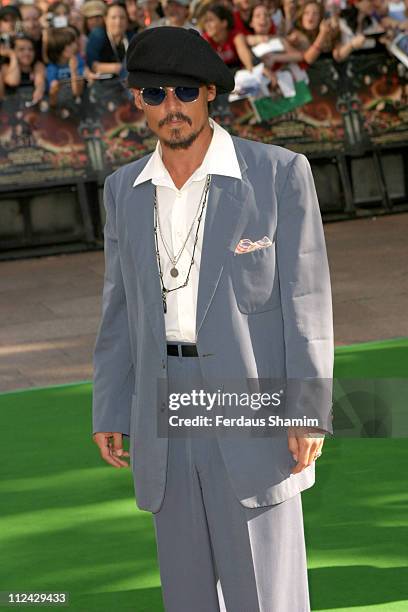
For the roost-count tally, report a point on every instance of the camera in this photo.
(5, 39)
(60, 21)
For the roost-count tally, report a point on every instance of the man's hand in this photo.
(111, 452)
(303, 447)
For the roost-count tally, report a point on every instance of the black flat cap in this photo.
(171, 56)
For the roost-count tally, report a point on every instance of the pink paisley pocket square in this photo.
(245, 245)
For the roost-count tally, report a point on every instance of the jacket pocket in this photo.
(255, 281)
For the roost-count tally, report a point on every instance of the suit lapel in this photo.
(226, 202)
(226, 213)
(225, 208)
(142, 242)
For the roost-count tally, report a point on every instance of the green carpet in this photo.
(69, 522)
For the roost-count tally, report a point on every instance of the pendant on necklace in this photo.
(174, 272)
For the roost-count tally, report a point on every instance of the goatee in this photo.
(186, 142)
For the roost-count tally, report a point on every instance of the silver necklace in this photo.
(165, 291)
(175, 258)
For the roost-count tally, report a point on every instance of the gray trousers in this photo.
(214, 553)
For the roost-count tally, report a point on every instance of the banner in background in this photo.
(356, 105)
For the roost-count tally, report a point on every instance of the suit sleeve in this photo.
(305, 297)
(113, 379)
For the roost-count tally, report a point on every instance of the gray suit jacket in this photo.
(263, 314)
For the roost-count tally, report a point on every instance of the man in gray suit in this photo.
(215, 271)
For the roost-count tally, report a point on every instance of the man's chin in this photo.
(179, 141)
(178, 144)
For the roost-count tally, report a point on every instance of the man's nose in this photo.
(171, 101)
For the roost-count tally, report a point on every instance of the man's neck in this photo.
(182, 163)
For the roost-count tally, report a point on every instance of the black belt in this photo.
(182, 350)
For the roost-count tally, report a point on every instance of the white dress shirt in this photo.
(177, 209)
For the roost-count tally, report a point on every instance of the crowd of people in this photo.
(74, 43)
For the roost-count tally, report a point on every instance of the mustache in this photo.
(172, 116)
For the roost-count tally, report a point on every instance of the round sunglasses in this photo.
(153, 96)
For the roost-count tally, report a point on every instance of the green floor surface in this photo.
(69, 522)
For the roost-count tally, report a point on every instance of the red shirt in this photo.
(239, 24)
(226, 50)
(272, 29)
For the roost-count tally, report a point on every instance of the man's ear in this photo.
(137, 98)
(211, 92)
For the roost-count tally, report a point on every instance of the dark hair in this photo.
(222, 12)
(21, 36)
(58, 39)
(75, 31)
(350, 16)
(10, 9)
(119, 3)
(255, 6)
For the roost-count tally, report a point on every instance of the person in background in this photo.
(261, 24)
(60, 12)
(30, 22)
(275, 9)
(241, 13)
(398, 11)
(334, 7)
(380, 9)
(176, 13)
(57, 16)
(218, 25)
(65, 63)
(106, 48)
(352, 23)
(374, 11)
(289, 8)
(197, 7)
(394, 15)
(152, 11)
(264, 28)
(23, 69)
(77, 21)
(42, 6)
(9, 22)
(10, 17)
(314, 35)
(93, 12)
(136, 16)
